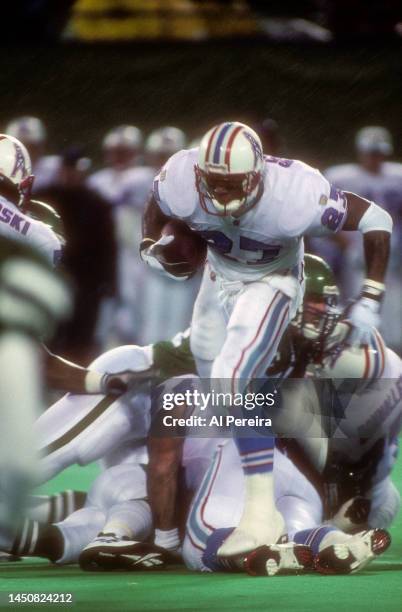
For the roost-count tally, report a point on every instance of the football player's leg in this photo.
(20, 403)
(121, 492)
(299, 502)
(208, 325)
(59, 542)
(384, 497)
(83, 428)
(337, 552)
(258, 321)
(215, 510)
(385, 504)
(48, 509)
(296, 497)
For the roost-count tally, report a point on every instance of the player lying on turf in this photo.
(253, 212)
(80, 429)
(323, 504)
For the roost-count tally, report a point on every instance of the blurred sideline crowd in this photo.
(118, 300)
(124, 20)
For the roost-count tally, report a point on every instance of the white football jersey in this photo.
(16, 225)
(297, 201)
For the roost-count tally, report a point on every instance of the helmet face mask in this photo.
(316, 320)
(229, 173)
(232, 194)
(319, 314)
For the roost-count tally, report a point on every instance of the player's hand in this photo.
(151, 252)
(364, 314)
(120, 382)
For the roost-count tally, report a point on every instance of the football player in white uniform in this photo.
(166, 306)
(16, 182)
(32, 133)
(32, 300)
(253, 211)
(126, 185)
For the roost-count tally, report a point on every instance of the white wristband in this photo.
(93, 382)
(373, 289)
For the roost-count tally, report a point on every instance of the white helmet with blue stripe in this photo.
(15, 168)
(229, 173)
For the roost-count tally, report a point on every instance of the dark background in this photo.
(319, 94)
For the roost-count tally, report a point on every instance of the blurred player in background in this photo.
(167, 305)
(32, 300)
(31, 132)
(378, 179)
(254, 212)
(125, 183)
(89, 255)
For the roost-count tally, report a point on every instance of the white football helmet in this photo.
(165, 141)
(127, 136)
(374, 139)
(30, 130)
(230, 169)
(15, 166)
(366, 362)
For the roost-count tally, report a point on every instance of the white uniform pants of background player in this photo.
(218, 502)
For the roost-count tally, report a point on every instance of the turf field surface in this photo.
(378, 588)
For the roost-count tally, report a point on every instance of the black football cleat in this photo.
(108, 552)
(287, 558)
(354, 554)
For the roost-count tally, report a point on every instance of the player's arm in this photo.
(338, 210)
(153, 220)
(162, 482)
(155, 245)
(376, 226)
(67, 376)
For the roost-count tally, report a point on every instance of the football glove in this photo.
(152, 253)
(364, 314)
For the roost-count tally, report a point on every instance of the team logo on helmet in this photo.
(255, 146)
(19, 164)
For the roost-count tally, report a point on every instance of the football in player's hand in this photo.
(185, 253)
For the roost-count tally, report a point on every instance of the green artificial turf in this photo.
(379, 587)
